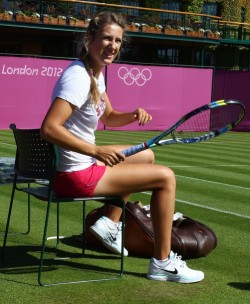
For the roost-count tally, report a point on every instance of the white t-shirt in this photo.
(74, 86)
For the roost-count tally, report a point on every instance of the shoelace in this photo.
(178, 260)
(119, 228)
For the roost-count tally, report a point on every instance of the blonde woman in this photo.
(79, 100)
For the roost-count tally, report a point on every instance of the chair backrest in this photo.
(35, 157)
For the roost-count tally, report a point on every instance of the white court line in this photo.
(212, 182)
(214, 209)
(207, 166)
(2, 143)
(209, 208)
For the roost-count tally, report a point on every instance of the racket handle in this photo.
(135, 149)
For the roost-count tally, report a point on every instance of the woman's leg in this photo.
(136, 176)
(144, 157)
(131, 178)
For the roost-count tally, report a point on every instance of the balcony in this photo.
(142, 22)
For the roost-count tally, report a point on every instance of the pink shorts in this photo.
(78, 183)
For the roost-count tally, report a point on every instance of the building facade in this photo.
(187, 32)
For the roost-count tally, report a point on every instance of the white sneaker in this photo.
(175, 270)
(109, 233)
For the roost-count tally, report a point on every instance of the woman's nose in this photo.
(112, 44)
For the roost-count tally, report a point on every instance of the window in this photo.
(169, 55)
(10, 48)
(85, 11)
(196, 56)
(132, 14)
(172, 6)
(128, 53)
(210, 8)
(209, 57)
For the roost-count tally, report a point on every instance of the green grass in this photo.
(212, 186)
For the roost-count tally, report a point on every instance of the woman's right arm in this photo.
(53, 131)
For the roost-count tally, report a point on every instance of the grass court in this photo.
(212, 186)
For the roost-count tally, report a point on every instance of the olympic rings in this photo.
(134, 76)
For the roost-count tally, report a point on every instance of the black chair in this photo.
(37, 159)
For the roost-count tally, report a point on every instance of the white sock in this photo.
(110, 223)
(160, 263)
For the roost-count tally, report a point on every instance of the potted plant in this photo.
(169, 30)
(61, 20)
(190, 32)
(6, 15)
(201, 32)
(133, 27)
(76, 22)
(21, 16)
(158, 28)
(145, 27)
(35, 17)
(212, 35)
(48, 19)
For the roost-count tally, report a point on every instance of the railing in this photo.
(234, 30)
(77, 14)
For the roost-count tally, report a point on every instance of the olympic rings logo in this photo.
(134, 76)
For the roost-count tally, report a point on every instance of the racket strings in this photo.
(195, 126)
(207, 123)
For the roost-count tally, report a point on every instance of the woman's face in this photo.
(104, 47)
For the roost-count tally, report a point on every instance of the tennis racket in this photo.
(199, 125)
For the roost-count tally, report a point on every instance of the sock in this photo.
(110, 223)
(160, 263)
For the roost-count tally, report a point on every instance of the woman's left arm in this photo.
(113, 118)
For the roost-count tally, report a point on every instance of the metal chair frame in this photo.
(8, 179)
(37, 159)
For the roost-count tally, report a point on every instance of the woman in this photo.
(85, 169)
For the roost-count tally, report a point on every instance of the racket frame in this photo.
(157, 141)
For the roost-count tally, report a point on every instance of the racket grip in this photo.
(135, 149)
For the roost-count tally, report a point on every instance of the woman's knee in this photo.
(144, 157)
(168, 177)
(148, 156)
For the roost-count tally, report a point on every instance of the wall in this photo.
(166, 92)
(26, 85)
(234, 85)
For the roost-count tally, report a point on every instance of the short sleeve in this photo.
(73, 85)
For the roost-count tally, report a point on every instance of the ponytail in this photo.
(94, 92)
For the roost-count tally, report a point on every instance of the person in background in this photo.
(79, 100)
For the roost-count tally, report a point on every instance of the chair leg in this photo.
(40, 282)
(28, 227)
(28, 219)
(123, 237)
(83, 227)
(57, 223)
(8, 222)
(41, 265)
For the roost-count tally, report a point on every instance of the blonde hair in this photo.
(97, 23)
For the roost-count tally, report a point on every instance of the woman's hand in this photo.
(142, 116)
(109, 155)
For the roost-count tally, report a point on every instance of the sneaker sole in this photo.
(172, 279)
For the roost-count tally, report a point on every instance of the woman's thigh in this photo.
(131, 178)
(143, 157)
